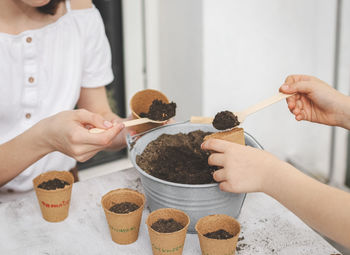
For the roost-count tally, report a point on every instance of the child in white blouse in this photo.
(53, 55)
(247, 169)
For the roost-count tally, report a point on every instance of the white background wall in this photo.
(249, 49)
(211, 55)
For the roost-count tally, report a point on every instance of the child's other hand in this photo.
(316, 101)
(243, 168)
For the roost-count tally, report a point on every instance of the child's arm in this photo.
(64, 132)
(247, 169)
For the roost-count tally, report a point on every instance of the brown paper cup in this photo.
(54, 204)
(124, 228)
(167, 243)
(213, 223)
(235, 135)
(141, 102)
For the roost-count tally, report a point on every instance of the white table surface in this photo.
(267, 227)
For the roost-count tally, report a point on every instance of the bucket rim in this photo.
(131, 139)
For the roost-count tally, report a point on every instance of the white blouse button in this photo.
(28, 115)
(29, 39)
(31, 79)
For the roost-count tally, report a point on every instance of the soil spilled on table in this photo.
(219, 234)
(241, 246)
(167, 226)
(124, 207)
(160, 111)
(225, 120)
(178, 158)
(53, 184)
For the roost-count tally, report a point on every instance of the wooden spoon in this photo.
(245, 113)
(129, 123)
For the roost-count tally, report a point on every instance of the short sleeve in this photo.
(97, 62)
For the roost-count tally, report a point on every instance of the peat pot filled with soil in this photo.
(123, 209)
(167, 228)
(197, 200)
(53, 190)
(218, 234)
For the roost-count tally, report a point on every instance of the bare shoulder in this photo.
(80, 4)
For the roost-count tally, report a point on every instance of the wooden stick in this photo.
(261, 105)
(243, 114)
(201, 120)
(128, 123)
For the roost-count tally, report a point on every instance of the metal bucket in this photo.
(197, 200)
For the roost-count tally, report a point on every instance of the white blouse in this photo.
(41, 74)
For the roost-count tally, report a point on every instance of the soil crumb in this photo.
(124, 207)
(160, 111)
(53, 184)
(225, 120)
(166, 226)
(219, 234)
(178, 158)
(241, 246)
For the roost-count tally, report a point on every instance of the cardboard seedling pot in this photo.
(168, 243)
(54, 204)
(214, 223)
(141, 102)
(235, 135)
(124, 228)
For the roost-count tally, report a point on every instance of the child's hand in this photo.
(66, 132)
(316, 101)
(244, 168)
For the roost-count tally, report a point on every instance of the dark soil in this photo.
(53, 184)
(225, 120)
(160, 111)
(220, 234)
(241, 246)
(178, 158)
(166, 226)
(124, 207)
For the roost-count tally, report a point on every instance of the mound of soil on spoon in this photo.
(53, 184)
(124, 207)
(220, 234)
(225, 120)
(178, 158)
(167, 226)
(160, 111)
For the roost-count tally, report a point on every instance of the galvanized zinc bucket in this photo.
(197, 200)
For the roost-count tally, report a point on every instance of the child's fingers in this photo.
(101, 139)
(96, 120)
(220, 175)
(216, 159)
(225, 186)
(86, 156)
(216, 145)
(298, 107)
(301, 116)
(291, 103)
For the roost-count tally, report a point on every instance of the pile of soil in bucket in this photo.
(167, 226)
(124, 207)
(220, 234)
(53, 184)
(178, 158)
(225, 120)
(160, 111)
